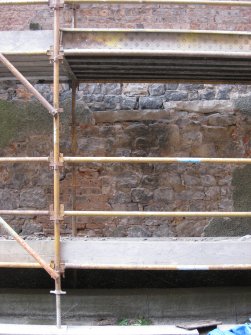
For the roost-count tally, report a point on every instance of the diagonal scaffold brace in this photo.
(30, 251)
(27, 85)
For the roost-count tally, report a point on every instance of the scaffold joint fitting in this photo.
(54, 58)
(55, 165)
(58, 292)
(62, 267)
(53, 216)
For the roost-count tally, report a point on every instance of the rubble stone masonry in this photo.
(132, 120)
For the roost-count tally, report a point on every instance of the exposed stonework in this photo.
(131, 16)
(130, 120)
(215, 128)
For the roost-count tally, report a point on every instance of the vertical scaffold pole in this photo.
(74, 136)
(74, 151)
(56, 156)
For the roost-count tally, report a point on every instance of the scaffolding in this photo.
(56, 160)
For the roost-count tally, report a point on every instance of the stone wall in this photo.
(161, 16)
(132, 120)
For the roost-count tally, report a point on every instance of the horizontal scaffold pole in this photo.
(129, 213)
(155, 53)
(156, 160)
(24, 159)
(23, 212)
(143, 267)
(27, 84)
(181, 2)
(157, 214)
(161, 267)
(23, 2)
(134, 160)
(16, 265)
(30, 251)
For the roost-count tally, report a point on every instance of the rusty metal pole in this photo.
(56, 158)
(74, 150)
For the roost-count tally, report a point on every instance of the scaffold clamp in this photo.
(56, 165)
(54, 217)
(54, 58)
(58, 292)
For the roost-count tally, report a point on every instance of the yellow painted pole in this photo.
(157, 214)
(56, 160)
(170, 160)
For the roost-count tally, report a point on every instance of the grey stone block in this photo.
(150, 103)
(207, 95)
(128, 103)
(176, 96)
(171, 87)
(157, 89)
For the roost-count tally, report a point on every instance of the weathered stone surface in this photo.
(112, 89)
(174, 135)
(208, 94)
(150, 102)
(203, 107)
(218, 119)
(133, 90)
(223, 93)
(171, 86)
(190, 87)
(157, 89)
(176, 96)
(163, 194)
(129, 115)
(214, 128)
(30, 228)
(128, 103)
(208, 180)
(138, 231)
(141, 195)
(163, 230)
(33, 198)
(9, 199)
(243, 104)
(112, 101)
(121, 198)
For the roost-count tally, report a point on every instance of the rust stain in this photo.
(111, 40)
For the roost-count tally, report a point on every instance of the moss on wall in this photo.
(18, 118)
(241, 183)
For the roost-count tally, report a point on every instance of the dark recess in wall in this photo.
(110, 279)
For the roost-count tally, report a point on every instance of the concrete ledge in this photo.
(10, 329)
(162, 306)
(117, 253)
